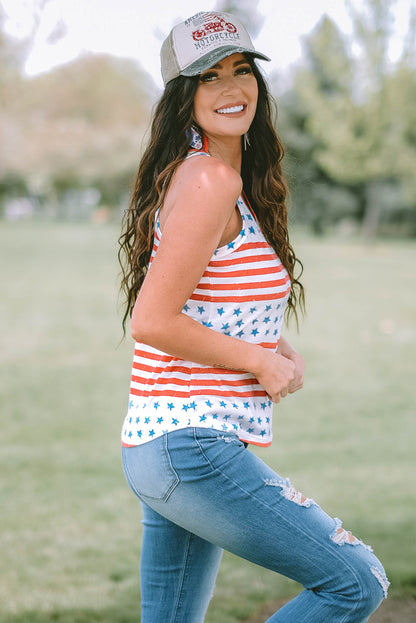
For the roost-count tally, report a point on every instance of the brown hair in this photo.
(263, 184)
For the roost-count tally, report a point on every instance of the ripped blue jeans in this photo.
(202, 491)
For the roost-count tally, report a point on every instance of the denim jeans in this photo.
(202, 491)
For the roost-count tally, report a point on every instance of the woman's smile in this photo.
(232, 110)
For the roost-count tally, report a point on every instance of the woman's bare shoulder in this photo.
(203, 188)
(206, 173)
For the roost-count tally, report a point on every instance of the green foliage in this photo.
(246, 10)
(70, 526)
(316, 200)
(79, 126)
(348, 123)
(358, 113)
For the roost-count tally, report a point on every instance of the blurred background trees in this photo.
(349, 126)
(71, 138)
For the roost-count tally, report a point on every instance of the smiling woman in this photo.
(209, 274)
(226, 100)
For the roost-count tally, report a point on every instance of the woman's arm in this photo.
(199, 206)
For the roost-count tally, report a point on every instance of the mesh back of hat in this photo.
(170, 66)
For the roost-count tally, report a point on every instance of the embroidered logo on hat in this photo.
(215, 23)
(202, 41)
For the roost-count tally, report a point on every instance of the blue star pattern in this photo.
(219, 415)
(242, 294)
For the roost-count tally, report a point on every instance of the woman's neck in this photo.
(226, 149)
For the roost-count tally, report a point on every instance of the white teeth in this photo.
(225, 111)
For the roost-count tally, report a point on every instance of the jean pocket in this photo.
(149, 471)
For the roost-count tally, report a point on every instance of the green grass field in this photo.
(70, 527)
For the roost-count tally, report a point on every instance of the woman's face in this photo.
(226, 98)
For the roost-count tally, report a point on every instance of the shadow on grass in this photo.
(71, 616)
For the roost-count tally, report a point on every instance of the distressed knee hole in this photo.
(340, 536)
(289, 492)
(343, 536)
(382, 579)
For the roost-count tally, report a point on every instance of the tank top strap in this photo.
(247, 203)
(196, 153)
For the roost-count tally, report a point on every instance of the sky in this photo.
(136, 28)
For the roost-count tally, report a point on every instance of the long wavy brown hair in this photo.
(168, 146)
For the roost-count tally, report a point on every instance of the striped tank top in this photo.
(242, 293)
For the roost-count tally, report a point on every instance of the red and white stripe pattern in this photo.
(251, 274)
(242, 293)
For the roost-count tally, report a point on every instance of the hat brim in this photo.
(212, 58)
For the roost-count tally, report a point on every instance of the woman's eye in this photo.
(244, 70)
(209, 77)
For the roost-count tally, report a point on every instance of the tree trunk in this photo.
(372, 211)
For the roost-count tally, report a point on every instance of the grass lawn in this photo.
(70, 528)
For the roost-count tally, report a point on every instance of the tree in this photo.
(361, 126)
(11, 85)
(325, 82)
(77, 126)
(246, 11)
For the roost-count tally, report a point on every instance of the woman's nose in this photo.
(230, 84)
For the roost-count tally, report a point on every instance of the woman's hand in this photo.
(286, 350)
(276, 373)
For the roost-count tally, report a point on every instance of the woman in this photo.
(209, 274)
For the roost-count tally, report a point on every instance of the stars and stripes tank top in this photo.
(242, 293)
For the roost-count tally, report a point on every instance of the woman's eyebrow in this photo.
(241, 62)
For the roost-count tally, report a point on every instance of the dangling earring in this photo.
(196, 139)
(246, 141)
